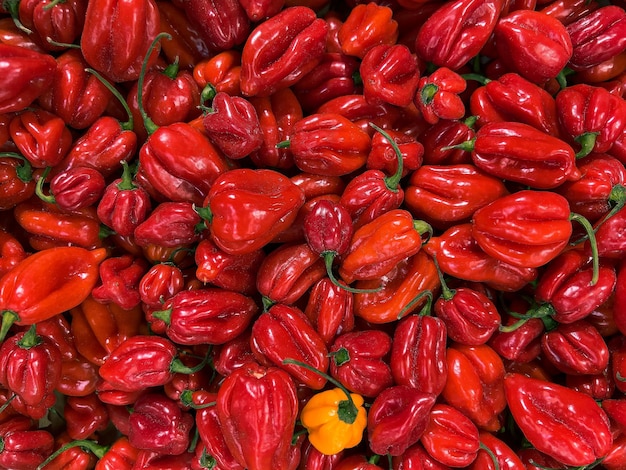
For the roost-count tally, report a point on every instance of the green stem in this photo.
(96, 449)
(8, 318)
(148, 123)
(12, 6)
(393, 181)
(329, 257)
(126, 183)
(425, 309)
(446, 292)
(587, 142)
(428, 92)
(171, 71)
(476, 77)
(468, 146)
(49, 198)
(52, 4)
(163, 315)
(494, 459)
(178, 367)
(30, 338)
(25, 171)
(128, 125)
(595, 258)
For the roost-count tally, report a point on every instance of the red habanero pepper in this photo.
(568, 11)
(222, 24)
(76, 95)
(579, 436)
(397, 419)
(31, 369)
(119, 56)
(527, 228)
(124, 205)
(170, 224)
(219, 73)
(383, 156)
(597, 36)
(41, 137)
(492, 446)
(459, 255)
(358, 361)
(119, 281)
(377, 246)
(475, 384)
(141, 362)
(151, 460)
(85, 416)
(513, 98)
(329, 308)
(441, 139)
(12, 35)
(48, 226)
(23, 446)
(257, 408)
(248, 208)
(74, 189)
(450, 437)
(591, 117)
(520, 34)
(500, 149)
(368, 25)
(232, 272)
(400, 292)
(278, 114)
(609, 236)
(390, 74)
(233, 126)
(357, 109)
(158, 424)
(288, 272)
(281, 50)
(233, 354)
(457, 31)
(576, 348)
(100, 328)
(313, 459)
(26, 74)
(416, 457)
(69, 454)
(206, 316)
(329, 144)
(258, 10)
(437, 96)
(11, 252)
(70, 274)
(599, 190)
(284, 332)
(333, 76)
(418, 353)
(443, 195)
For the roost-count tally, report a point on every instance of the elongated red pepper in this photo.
(329, 308)
(25, 76)
(261, 439)
(275, 57)
(457, 31)
(523, 31)
(25, 300)
(579, 436)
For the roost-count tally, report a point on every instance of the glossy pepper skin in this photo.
(120, 276)
(444, 195)
(119, 57)
(499, 151)
(181, 220)
(368, 25)
(456, 32)
(397, 419)
(591, 117)
(520, 32)
(249, 207)
(284, 332)
(25, 447)
(579, 436)
(329, 308)
(257, 408)
(418, 353)
(26, 300)
(77, 188)
(275, 57)
(438, 97)
(606, 26)
(25, 76)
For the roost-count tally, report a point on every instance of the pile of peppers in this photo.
(312, 234)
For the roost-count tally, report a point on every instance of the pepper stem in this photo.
(8, 318)
(392, 182)
(30, 338)
(25, 171)
(127, 178)
(164, 315)
(12, 6)
(427, 95)
(494, 459)
(96, 449)
(148, 123)
(186, 398)
(329, 257)
(468, 146)
(128, 125)
(178, 367)
(446, 292)
(347, 410)
(595, 258)
(49, 198)
(425, 309)
(587, 141)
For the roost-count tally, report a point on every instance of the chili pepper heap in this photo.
(313, 234)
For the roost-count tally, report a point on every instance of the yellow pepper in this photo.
(334, 421)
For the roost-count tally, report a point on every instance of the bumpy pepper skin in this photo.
(24, 445)
(574, 429)
(281, 50)
(257, 408)
(368, 25)
(119, 56)
(521, 33)
(25, 76)
(457, 31)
